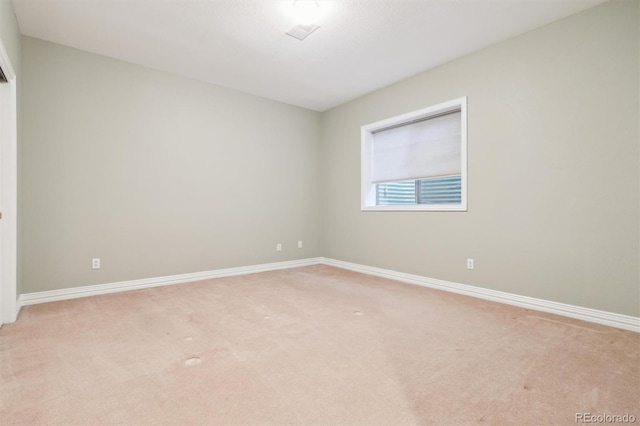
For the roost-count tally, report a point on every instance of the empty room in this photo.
(331, 212)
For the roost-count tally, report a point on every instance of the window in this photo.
(417, 161)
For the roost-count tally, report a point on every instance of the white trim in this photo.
(625, 322)
(94, 290)
(9, 201)
(367, 189)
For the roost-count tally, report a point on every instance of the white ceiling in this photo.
(361, 46)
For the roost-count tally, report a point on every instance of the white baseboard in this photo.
(624, 322)
(94, 290)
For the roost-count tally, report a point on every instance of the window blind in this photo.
(438, 190)
(396, 193)
(422, 149)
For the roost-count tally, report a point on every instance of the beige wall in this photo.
(156, 174)
(553, 144)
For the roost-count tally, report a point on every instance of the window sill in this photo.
(415, 208)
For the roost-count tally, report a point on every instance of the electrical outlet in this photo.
(278, 247)
(299, 244)
(95, 263)
(469, 263)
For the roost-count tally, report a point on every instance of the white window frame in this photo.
(368, 189)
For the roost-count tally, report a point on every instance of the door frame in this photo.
(8, 192)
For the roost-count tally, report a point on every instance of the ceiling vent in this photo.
(302, 31)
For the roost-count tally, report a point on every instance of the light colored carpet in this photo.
(312, 345)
